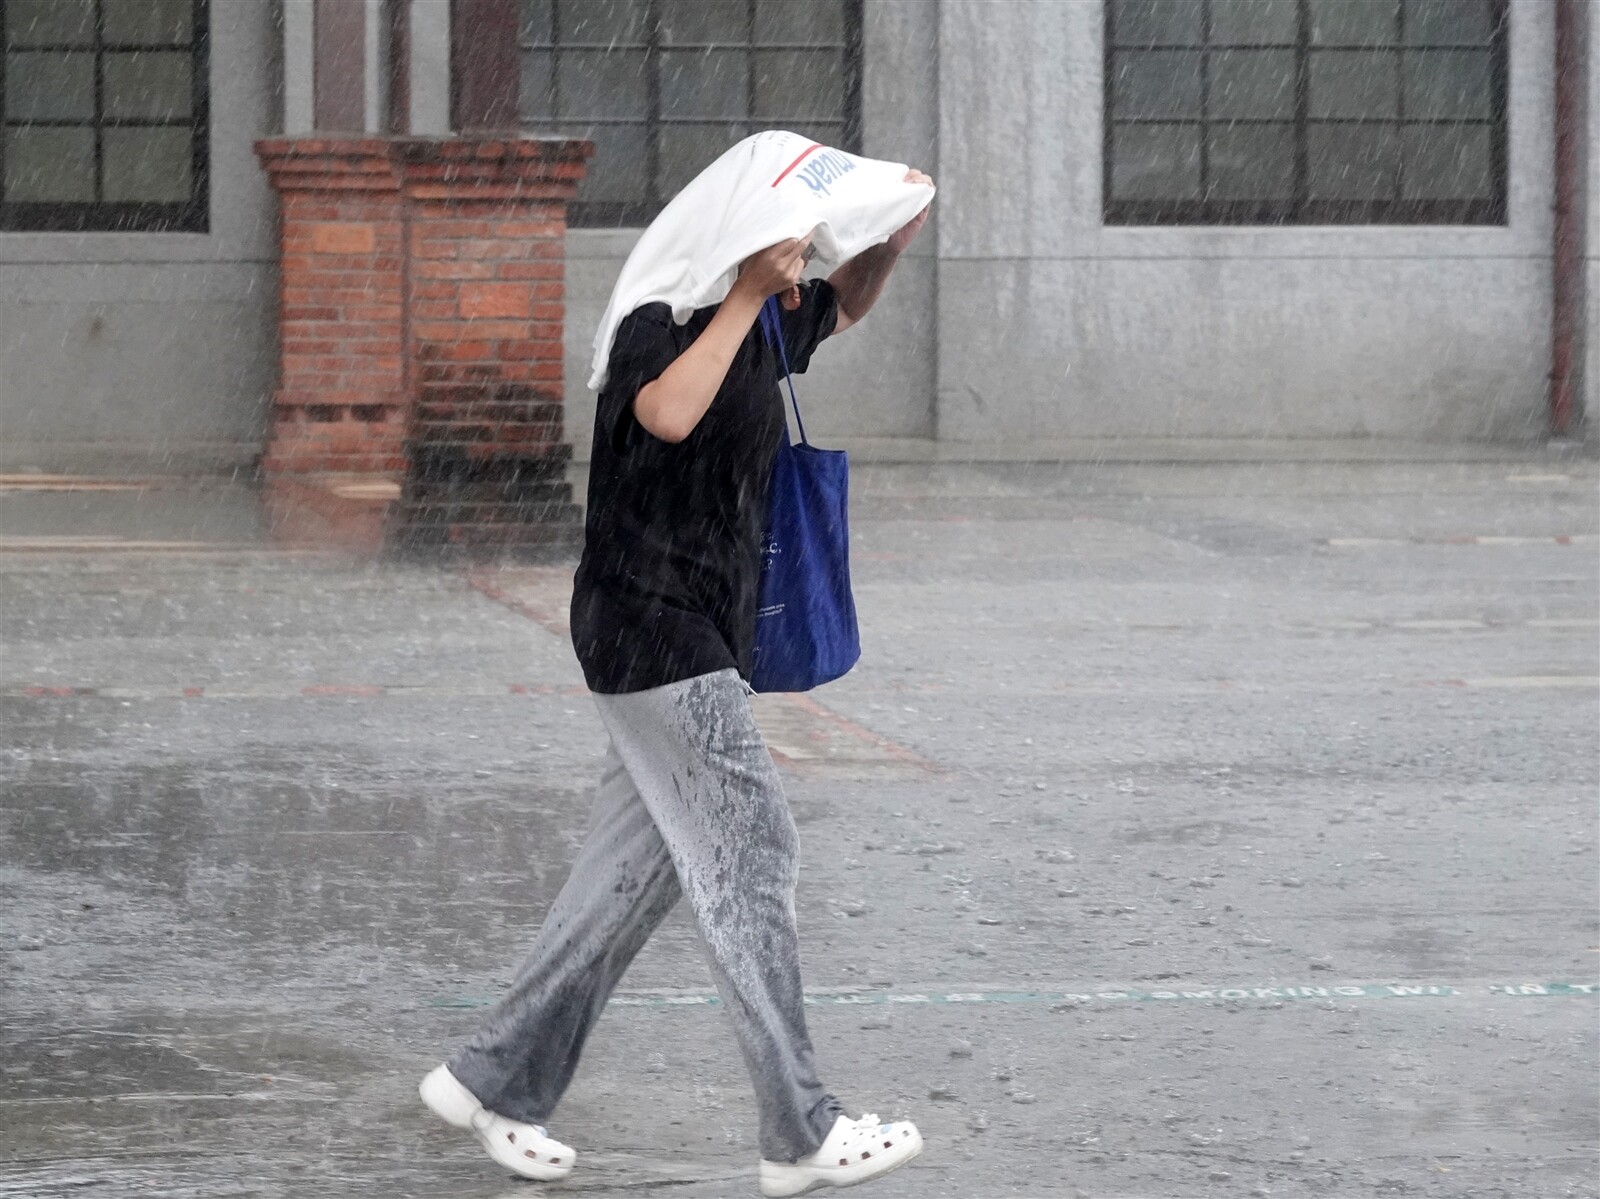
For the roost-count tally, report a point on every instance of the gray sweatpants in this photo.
(689, 804)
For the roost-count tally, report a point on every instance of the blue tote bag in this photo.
(806, 616)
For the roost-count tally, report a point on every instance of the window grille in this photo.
(664, 86)
(1305, 112)
(103, 115)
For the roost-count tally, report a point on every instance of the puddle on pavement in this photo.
(263, 860)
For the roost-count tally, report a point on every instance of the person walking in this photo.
(689, 803)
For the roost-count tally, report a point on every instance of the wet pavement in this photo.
(1185, 831)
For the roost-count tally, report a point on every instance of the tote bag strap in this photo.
(772, 331)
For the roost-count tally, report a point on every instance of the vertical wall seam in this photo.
(429, 68)
(1568, 263)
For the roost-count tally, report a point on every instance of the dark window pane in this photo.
(686, 101)
(618, 172)
(1354, 22)
(49, 22)
(108, 124)
(536, 22)
(1448, 83)
(49, 87)
(1448, 22)
(153, 85)
(704, 21)
(150, 165)
(1255, 84)
(605, 21)
(686, 150)
(1448, 162)
(805, 21)
(1155, 162)
(49, 164)
(1353, 162)
(1156, 22)
(705, 83)
(1272, 22)
(1252, 162)
(829, 133)
(1155, 83)
(1354, 83)
(146, 21)
(799, 85)
(1404, 108)
(537, 94)
(602, 83)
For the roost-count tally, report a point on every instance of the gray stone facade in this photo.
(155, 351)
(1052, 325)
(1019, 316)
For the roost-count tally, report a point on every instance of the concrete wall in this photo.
(141, 348)
(878, 380)
(1017, 316)
(1052, 325)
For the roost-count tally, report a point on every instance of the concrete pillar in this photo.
(376, 67)
(428, 71)
(299, 55)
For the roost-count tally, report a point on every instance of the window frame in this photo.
(603, 214)
(1300, 209)
(121, 216)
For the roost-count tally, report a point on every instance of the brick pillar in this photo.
(421, 356)
(485, 269)
(341, 398)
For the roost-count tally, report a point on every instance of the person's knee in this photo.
(762, 849)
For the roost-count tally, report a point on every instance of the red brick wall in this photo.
(486, 326)
(422, 306)
(341, 399)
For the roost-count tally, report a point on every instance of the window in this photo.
(664, 86)
(1305, 112)
(103, 114)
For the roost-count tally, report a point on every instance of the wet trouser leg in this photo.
(621, 887)
(707, 811)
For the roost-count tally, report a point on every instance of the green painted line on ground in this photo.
(1395, 990)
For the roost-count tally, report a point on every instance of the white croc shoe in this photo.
(855, 1151)
(524, 1149)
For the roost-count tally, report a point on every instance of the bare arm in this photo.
(859, 282)
(670, 406)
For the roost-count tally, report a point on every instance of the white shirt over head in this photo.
(765, 189)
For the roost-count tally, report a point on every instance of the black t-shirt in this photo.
(667, 586)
